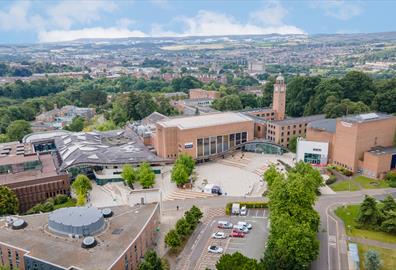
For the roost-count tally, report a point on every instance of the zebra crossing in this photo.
(186, 194)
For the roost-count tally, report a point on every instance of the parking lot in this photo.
(252, 245)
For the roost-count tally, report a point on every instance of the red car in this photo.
(237, 234)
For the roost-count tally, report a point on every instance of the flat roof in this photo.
(122, 228)
(324, 124)
(366, 117)
(380, 150)
(206, 120)
(298, 120)
(48, 169)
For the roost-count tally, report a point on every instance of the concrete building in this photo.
(360, 143)
(117, 241)
(312, 152)
(32, 176)
(202, 136)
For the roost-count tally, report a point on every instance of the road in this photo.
(332, 236)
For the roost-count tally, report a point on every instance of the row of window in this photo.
(288, 127)
(9, 256)
(342, 165)
(219, 144)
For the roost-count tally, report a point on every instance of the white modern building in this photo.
(312, 152)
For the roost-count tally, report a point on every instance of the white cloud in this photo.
(273, 13)
(16, 17)
(339, 9)
(208, 23)
(67, 13)
(95, 32)
(125, 22)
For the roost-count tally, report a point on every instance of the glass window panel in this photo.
(225, 142)
(232, 140)
(219, 144)
(212, 145)
(244, 137)
(206, 146)
(238, 138)
(200, 150)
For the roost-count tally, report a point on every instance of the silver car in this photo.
(215, 249)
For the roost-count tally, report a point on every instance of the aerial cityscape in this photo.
(202, 135)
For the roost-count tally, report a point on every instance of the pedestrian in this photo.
(177, 207)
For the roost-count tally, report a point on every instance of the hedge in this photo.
(247, 204)
(331, 180)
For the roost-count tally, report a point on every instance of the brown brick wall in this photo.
(12, 256)
(144, 241)
(317, 135)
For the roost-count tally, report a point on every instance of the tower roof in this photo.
(280, 77)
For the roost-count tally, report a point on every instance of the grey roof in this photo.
(298, 120)
(366, 117)
(76, 220)
(154, 118)
(324, 124)
(101, 148)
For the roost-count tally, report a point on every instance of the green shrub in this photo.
(331, 180)
(247, 204)
(60, 199)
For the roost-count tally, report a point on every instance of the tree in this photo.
(372, 260)
(183, 228)
(151, 261)
(293, 144)
(18, 129)
(76, 125)
(389, 224)
(196, 212)
(129, 174)
(146, 175)
(369, 215)
(187, 161)
(172, 239)
(81, 187)
(179, 175)
(237, 261)
(227, 103)
(9, 203)
(388, 204)
(4, 138)
(270, 174)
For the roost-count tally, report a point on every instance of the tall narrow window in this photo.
(212, 145)
(200, 150)
(225, 143)
(219, 144)
(206, 146)
(238, 138)
(232, 140)
(244, 137)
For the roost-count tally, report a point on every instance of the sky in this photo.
(37, 21)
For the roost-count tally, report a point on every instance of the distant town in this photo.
(236, 152)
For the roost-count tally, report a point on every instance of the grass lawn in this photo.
(388, 256)
(344, 186)
(348, 215)
(368, 183)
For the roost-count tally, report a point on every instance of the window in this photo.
(258, 128)
(244, 137)
(225, 142)
(212, 145)
(238, 138)
(294, 132)
(232, 140)
(200, 149)
(219, 144)
(206, 146)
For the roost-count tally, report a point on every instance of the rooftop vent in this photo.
(18, 224)
(88, 242)
(107, 212)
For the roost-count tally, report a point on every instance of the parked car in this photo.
(219, 235)
(224, 225)
(215, 249)
(247, 225)
(235, 209)
(237, 234)
(241, 228)
(243, 211)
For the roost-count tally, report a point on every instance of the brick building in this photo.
(33, 177)
(121, 243)
(198, 93)
(360, 143)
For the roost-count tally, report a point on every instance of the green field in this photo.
(368, 183)
(358, 183)
(345, 186)
(349, 214)
(388, 256)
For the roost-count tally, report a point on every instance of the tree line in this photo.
(143, 174)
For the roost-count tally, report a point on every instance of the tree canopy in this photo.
(9, 203)
(81, 186)
(146, 175)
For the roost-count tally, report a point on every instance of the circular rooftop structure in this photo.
(83, 221)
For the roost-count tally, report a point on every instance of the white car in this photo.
(241, 228)
(243, 211)
(215, 249)
(245, 224)
(224, 225)
(219, 235)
